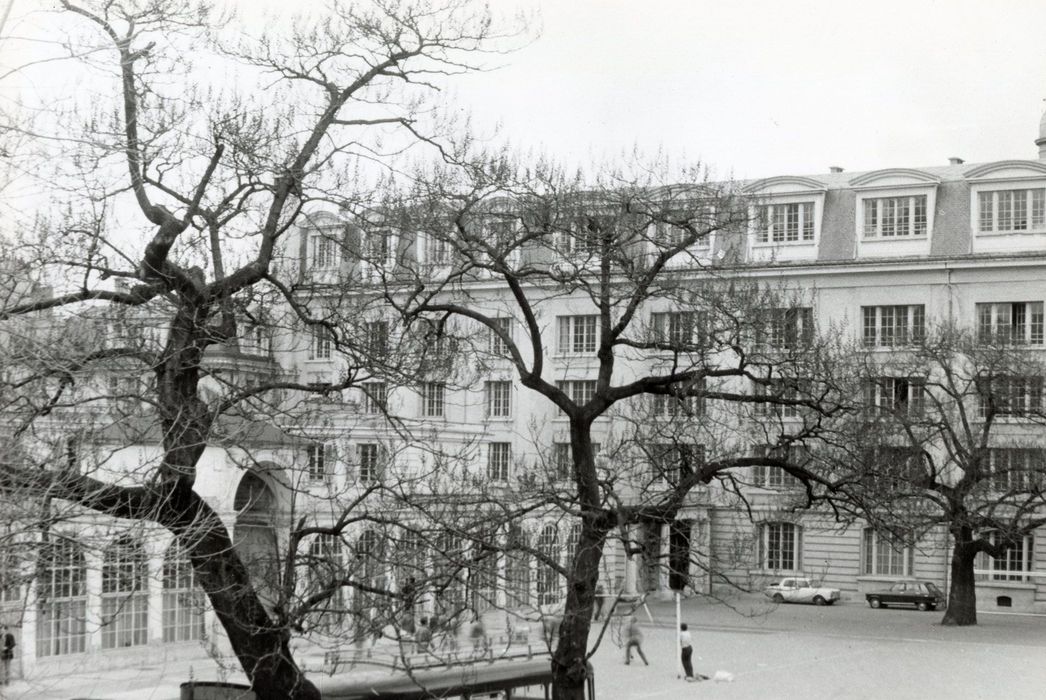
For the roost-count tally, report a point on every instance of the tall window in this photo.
(883, 554)
(11, 576)
(376, 338)
(433, 399)
(321, 251)
(672, 405)
(580, 391)
(61, 599)
(672, 461)
(893, 326)
(773, 477)
(325, 566)
(563, 459)
(780, 546)
(517, 567)
(786, 223)
(320, 342)
(437, 249)
(578, 335)
(1010, 322)
(1003, 211)
(548, 577)
(320, 461)
(891, 217)
(781, 396)
(183, 601)
(1016, 469)
(372, 462)
(499, 461)
(1014, 565)
(378, 246)
(499, 399)
(1010, 396)
(903, 395)
(375, 397)
(125, 597)
(788, 328)
(495, 344)
(681, 330)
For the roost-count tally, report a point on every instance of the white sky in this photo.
(758, 87)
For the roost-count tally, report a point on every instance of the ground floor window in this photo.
(780, 546)
(884, 554)
(1014, 565)
(548, 576)
(61, 626)
(183, 601)
(125, 597)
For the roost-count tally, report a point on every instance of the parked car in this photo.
(922, 595)
(801, 590)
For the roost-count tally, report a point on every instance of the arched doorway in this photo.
(254, 536)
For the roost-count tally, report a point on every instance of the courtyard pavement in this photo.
(773, 652)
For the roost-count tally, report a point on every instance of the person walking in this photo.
(478, 633)
(635, 639)
(600, 595)
(687, 654)
(7, 654)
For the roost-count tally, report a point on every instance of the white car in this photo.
(801, 590)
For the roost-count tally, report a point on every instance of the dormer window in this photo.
(891, 217)
(786, 223)
(321, 252)
(1011, 211)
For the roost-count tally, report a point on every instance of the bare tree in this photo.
(170, 193)
(947, 437)
(597, 295)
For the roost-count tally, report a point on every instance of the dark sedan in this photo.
(919, 594)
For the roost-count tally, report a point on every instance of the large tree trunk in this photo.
(260, 643)
(962, 594)
(569, 660)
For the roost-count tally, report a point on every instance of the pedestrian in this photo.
(635, 639)
(423, 635)
(687, 654)
(600, 595)
(550, 624)
(409, 592)
(7, 654)
(478, 633)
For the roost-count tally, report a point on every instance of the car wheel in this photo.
(778, 598)
(818, 600)
(923, 606)
(874, 602)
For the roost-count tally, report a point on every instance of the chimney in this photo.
(835, 169)
(955, 161)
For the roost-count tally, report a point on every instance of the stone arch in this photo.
(254, 535)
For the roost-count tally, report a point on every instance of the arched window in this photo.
(883, 554)
(183, 601)
(325, 567)
(548, 577)
(125, 597)
(517, 567)
(780, 547)
(62, 599)
(572, 542)
(483, 572)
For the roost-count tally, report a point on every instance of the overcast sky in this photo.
(759, 88)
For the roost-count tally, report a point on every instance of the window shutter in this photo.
(563, 334)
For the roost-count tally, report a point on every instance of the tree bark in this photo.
(570, 658)
(259, 642)
(962, 594)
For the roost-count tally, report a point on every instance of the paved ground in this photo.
(845, 651)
